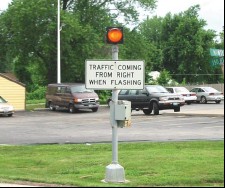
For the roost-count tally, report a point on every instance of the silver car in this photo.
(205, 94)
(6, 108)
(188, 96)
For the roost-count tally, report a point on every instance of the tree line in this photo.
(177, 44)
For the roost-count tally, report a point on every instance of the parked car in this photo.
(152, 98)
(189, 97)
(6, 108)
(72, 96)
(205, 94)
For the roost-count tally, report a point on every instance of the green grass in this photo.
(30, 107)
(35, 101)
(195, 163)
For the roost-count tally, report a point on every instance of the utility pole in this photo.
(58, 44)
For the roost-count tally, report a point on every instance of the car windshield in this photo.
(156, 89)
(210, 89)
(181, 90)
(2, 100)
(80, 89)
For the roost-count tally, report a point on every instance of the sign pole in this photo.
(114, 122)
(114, 172)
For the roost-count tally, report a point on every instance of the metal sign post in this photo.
(114, 172)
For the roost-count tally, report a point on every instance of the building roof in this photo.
(11, 77)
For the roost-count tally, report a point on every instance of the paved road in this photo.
(44, 126)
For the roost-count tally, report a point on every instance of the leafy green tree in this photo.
(182, 43)
(186, 45)
(164, 77)
(151, 30)
(30, 31)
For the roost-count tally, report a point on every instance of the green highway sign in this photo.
(216, 52)
(217, 61)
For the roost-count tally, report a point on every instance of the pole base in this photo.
(115, 174)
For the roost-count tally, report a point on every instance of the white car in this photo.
(188, 96)
(6, 108)
(205, 94)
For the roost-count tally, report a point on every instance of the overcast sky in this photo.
(211, 10)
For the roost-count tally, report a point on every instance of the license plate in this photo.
(175, 104)
(90, 105)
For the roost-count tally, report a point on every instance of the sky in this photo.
(211, 10)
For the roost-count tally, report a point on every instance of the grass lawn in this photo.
(30, 107)
(194, 163)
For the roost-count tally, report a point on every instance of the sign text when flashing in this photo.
(114, 74)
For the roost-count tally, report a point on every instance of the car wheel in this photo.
(94, 109)
(10, 115)
(71, 108)
(147, 111)
(177, 109)
(218, 102)
(51, 107)
(188, 102)
(203, 100)
(155, 108)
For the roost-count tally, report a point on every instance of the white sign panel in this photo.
(110, 74)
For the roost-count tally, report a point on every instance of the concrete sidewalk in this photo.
(14, 185)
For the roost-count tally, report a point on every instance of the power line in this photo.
(195, 74)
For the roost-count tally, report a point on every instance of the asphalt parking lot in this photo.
(43, 126)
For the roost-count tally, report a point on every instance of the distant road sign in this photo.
(110, 74)
(216, 52)
(217, 61)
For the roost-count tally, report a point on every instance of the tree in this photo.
(30, 31)
(151, 30)
(164, 78)
(186, 45)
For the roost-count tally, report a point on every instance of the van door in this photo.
(67, 97)
(62, 98)
(58, 96)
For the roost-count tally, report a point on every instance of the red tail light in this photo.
(193, 94)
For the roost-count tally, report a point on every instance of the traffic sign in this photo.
(216, 52)
(114, 74)
(217, 61)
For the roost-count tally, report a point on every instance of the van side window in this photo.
(58, 89)
(68, 90)
(63, 90)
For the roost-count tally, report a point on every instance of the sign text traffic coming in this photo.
(110, 74)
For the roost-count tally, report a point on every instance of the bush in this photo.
(37, 94)
(103, 95)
